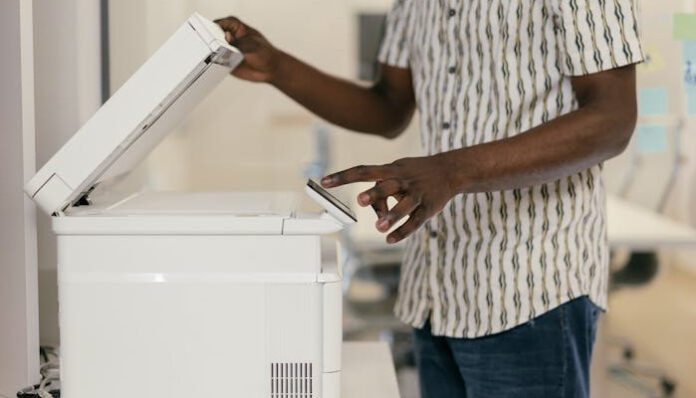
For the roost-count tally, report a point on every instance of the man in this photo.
(520, 102)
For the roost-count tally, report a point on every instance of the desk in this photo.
(368, 371)
(635, 227)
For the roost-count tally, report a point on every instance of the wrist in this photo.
(278, 71)
(457, 172)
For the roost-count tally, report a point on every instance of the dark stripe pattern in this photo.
(484, 70)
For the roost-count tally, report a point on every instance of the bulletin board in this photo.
(657, 169)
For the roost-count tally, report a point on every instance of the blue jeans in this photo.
(546, 357)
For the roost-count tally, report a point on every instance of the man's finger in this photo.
(399, 211)
(356, 174)
(415, 220)
(381, 208)
(381, 191)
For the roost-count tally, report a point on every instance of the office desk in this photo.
(635, 227)
(368, 371)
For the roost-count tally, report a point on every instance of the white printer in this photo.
(180, 295)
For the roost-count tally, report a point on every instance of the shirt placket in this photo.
(436, 233)
(451, 67)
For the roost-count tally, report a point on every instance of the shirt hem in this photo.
(418, 322)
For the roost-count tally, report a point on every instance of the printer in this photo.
(180, 295)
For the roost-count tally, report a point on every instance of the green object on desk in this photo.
(684, 26)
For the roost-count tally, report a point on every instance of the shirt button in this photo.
(445, 125)
(452, 12)
(452, 69)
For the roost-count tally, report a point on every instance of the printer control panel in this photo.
(330, 203)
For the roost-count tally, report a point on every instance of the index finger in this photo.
(356, 174)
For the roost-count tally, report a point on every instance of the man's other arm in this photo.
(384, 108)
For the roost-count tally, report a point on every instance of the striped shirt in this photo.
(484, 70)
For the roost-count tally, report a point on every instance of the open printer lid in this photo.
(136, 118)
(194, 60)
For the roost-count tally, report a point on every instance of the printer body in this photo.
(185, 294)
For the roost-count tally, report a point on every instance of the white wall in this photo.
(19, 336)
(67, 70)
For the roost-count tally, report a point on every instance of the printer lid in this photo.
(194, 60)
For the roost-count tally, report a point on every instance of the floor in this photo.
(659, 320)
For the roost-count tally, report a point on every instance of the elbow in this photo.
(618, 127)
(611, 97)
(399, 120)
(394, 131)
(625, 125)
(392, 134)
(388, 128)
(395, 109)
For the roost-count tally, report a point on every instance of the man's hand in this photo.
(421, 186)
(261, 59)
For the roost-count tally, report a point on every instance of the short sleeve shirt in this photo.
(484, 70)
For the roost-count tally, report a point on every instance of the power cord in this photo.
(50, 377)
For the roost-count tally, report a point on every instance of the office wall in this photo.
(67, 71)
(19, 334)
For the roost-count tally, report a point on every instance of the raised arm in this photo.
(383, 108)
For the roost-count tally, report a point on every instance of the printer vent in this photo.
(292, 380)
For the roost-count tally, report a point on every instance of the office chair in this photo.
(649, 380)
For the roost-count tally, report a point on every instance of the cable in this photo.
(49, 387)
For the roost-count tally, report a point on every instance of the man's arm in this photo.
(383, 109)
(600, 129)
